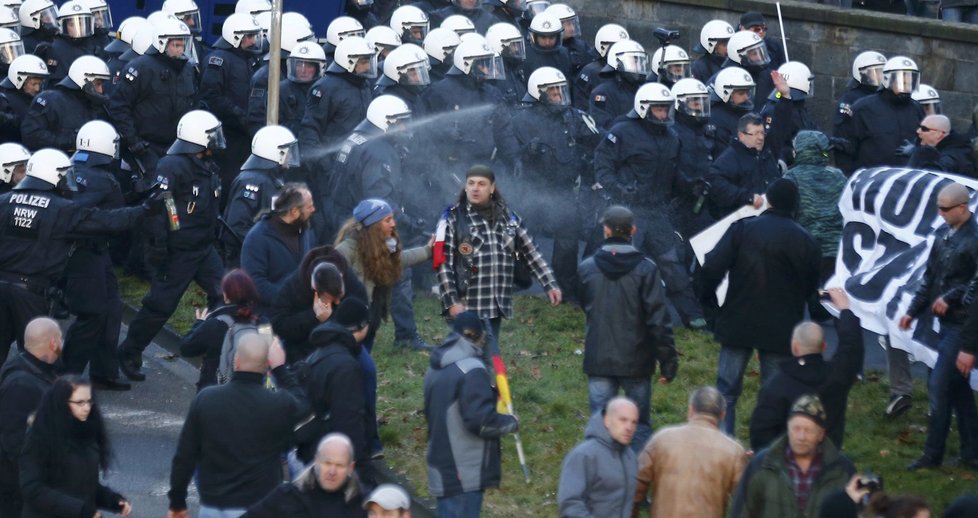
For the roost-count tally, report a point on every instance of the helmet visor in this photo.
(351, 33)
(192, 19)
(534, 9)
(215, 139)
(414, 74)
(634, 62)
(515, 49)
(177, 47)
(364, 3)
(659, 112)
(303, 70)
(10, 51)
(414, 31)
(742, 97)
(8, 169)
(932, 108)
(365, 65)
(396, 122)
(697, 106)
(102, 18)
(871, 75)
(676, 71)
(77, 26)
(557, 94)
(288, 155)
(572, 27)
(67, 177)
(14, 26)
(488, 67)
(47, 18)
(755, 55)
(903, 81)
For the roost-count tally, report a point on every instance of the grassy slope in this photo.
(541, 349)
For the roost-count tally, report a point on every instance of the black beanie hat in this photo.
(783, 195)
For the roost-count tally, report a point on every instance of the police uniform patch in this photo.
(612, 138)
(40, 100)
(258, 92)
(216, 61)
(845, 109)
(317, 93)
(52, 62)
(600, 98)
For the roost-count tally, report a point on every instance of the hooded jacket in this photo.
(819, 187)
(598, 477)
(463, 425)
(628, 324)
(952, 154)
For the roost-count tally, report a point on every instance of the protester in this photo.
(940, 148)
(388, 501)
(864, 496)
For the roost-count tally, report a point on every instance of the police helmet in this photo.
(713, 32)
(628, 57)
(655, 103)
(799, 79)
(407, 65)
(170, 30)
(11, 47)
(732, 79)
(101, 14)
(13, 4)
(88, 74)
(12, 156)
(568, 18)
(296, 18)
(24, 67)
(342, 28)
(545, 24)
(144, 38)
(746, 48)
(458, 23)
(505, 39)
(411, 23)
(901, 75)
(252, 7)
(39, 14)
(476, 59)
(535, 7)
(75, 20)
(186, 11)
(671, 63)
(867, 68)
(386, 111)
(547, 85)
(608, 35)
(273, 147)
(97, 143)
(123, 37)
(9, 19)
(354, 51)
(48, 169)
(383, 39)
(304, 56)
(294, 30)
(362, 3)
(928, 98)
(692, 98)
(239, 26)
(157, 17)
(441, 44)
(197, 131)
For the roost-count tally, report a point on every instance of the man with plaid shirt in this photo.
(475, 257)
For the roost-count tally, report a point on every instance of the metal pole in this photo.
(784, 41)
(274, 63)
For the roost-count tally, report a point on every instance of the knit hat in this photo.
(352, 314)
(809, 406)
(751, 19)
(783, 195)
(389, 497)
(481, 171)
(371, 210)
(468, 321)
(619, 219)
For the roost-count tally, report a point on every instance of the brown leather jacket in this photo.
(693, 468)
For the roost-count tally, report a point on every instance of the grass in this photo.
(542, 349)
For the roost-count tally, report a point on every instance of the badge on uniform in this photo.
(845, 109)
(258, 92)
(40, 100)
(600, 98)
(613, 138)
(131, 74)
(216, 61)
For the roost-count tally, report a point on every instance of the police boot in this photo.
(131, 364)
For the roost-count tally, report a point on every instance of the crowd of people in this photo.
(395, 141)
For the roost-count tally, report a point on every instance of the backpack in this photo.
(225, 365)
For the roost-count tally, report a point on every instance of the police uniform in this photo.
(696, 153)
(34, 37)
(55, 117)
(187, 254)
(581, 53)
(367, 165)
(258, 98)
(64, 51)
(557, 57)
(584, 83)
(842, 118)
(13, 107)
(251, 193)
(724, 118)
(706, 67)
(513, 86)
(407, 93)
(611, 100)
(881, 123)
(796, 118)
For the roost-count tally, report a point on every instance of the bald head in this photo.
(938, 122)
(251, 353)
(42, 339)
(337, 443)
(807, 338)
(954, 193)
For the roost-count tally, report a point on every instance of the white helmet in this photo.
(568, 18)
(157, 17)
(51, 167)
(440, 44)
(237, 27)
(535, 7)
(9, 19)
(692, 98)
(671, 63)
(101, 14)
(39, 14)
(471, 36)
(167, 30)
(12, 156)
(901, 75)
(476, 59)
(407, 65)
(294, 30)
(713, 32)
(867, 68)
(628, 57)
(296, 18)
(731, 79)
(252, 7)
(26, 66)
(197, 131)
(458, 23)
(75, 20)
(655, 95)
(548, 85)
(304, 56)
(545, 24)
(746, 48)
(799, 79)
(123, 36)
(144, 38)
(98, 137)
(928, 98)
(386, 111)
(383, 39)
(608, 35)
(11, 47)
(186, 11)
(342, 28)
(83, 74)
(411, 23)
(273, 147)
(352, 51)
(506, 40)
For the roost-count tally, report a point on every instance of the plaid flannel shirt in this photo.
(490, 290)
(802, 481)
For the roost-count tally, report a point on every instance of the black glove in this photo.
(668, 362)
(139, 148)
(154, 202)
(838, 143)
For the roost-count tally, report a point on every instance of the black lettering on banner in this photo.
(870, 286)
(851, 257)
(865, 187)
(909, 287)
(900, 216)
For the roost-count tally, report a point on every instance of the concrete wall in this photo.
(824, 38)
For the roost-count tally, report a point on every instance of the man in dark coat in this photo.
(24, 378)
(941, 148)
(628, 325)
(773, 264)
(810, 373)
(744, 170)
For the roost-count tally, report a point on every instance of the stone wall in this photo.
(824, 38)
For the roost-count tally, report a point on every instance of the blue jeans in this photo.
(947, 391)
(465, 505)
(402, 308)
(730, 377)
(214, 512)
(370, 396)
(601, 389)
(966, 14)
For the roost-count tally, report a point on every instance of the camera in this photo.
(665, 36)
(870, 481)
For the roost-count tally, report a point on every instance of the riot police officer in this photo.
(361, 11)
(294, 31)
(56, 115)
(90, 285)
(556, 142)
(102, 21)
(508, 11)
(588, 77)
(11, 47)
(411, 23)
(505, 39)
(13, 165)
(274, 150)
(339, 29)
(696, 153)
(38, 225)
(748, 51)
(636, 164)
(305, 66)
(75, 39)
(796, 116)
(187, 12)
(440, 45)
(867, 75)
(181, 238)
(38, 24)
(732, 96)
(669, 64)
(545, 49)
(714, 37)
(23, 82)
(580, 51)
(627, 69)
(471, 9)
(384, 40)
(405, 75)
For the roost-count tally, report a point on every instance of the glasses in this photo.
(925, 129)
(950, 208)
(755, 134)
(81, 402)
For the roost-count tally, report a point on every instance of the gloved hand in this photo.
(668, 363)
(139, 148)
(906, 149)
(838, 143)
(154, 202)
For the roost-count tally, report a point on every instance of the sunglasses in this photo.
(925, 129)
(947, 209)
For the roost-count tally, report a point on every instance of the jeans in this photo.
(465, 505)
(213, 512)
(601, 389)
(491, 348)
(730, 377)
(948, 391)
(402, 308)
(966, 14)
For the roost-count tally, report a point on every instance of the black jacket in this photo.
(196, 192)
(611, 100)
(269, 259)
(556, 145)
(152, 94)
(336, 104)
(64, 52)
(234, 437)
(950, 268)
(367, 165)
(774, 268)
(205, 338)
(842, 122)
(706, 67)
(225, 85)
(305, 498)
(738, 174)
(13, 107)
(250, 194)
(637, 163)
(585, 82)
(952, 155)
(724, 118)
(557, 57)
(628, 324)
(811, 374)
(55, 116)
(23, 380)
(880, 124)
